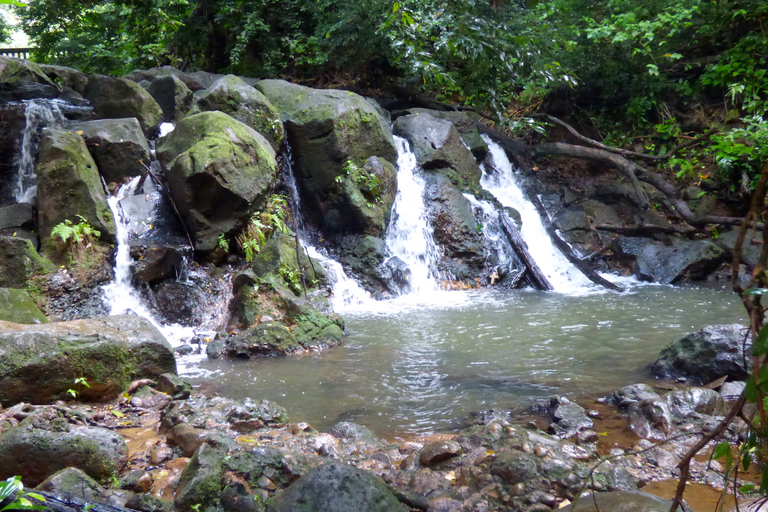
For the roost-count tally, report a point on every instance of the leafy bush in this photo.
(262, 225)
(78, 238)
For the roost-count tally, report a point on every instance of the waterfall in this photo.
(501, 181)
(120, 294)
(495, 241)
(409, 235)
(38, 114)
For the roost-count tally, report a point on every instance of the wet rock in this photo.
(38, 362)
(117, 146)
(219, 172)
(455, 226)
(194, 81)
(200, 483)
(261, 468)
(439, 451)
(277, 262)
(173, 96)
(515, 467)
(229, 94)
(200, 412)
(438, 147)
(336, 487)
(622, 501)
(628, 395)
(353, 432)
(17, 215)
(73, 481)
(173, 385)
(138, 481)
(330, 132)
(731, 391)
(118, 98)
(69, 186)
(157, 262)
(236, 498)
(465, 123)
(19, 261)
(66, 77)
(186, 437)
(684, 403)
(22, 79)
(750, 250)
(46, 442)
(148, 503)
(706, 355)
(650, 418)
(677, 260)
(369, 192)
(17, 306)
(567, 418)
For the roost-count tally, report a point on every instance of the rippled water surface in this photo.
(410, 368)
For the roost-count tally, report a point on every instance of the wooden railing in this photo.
(19, 53)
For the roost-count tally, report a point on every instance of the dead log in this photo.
(581, 264)
(534, 274)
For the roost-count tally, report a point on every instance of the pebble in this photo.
(160, 455)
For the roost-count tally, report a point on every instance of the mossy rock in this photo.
(117, 98)
(370, 193)
(69, 185)
(19, 261)
(201, 482)
(46, 442)
(18, 307)
(267, 339)
(173, 96)
(278, 263)
(38, 363)
(326, 130)
(14, 71)
(229, 94)
(219, 173)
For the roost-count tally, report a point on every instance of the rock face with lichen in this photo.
(219, 172)
(38, 363)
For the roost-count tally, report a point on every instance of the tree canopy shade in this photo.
(671, 67)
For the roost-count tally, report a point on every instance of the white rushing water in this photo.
(38, 114)
(502, 182)
(409, 235)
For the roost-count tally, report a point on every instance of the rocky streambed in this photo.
(160, 447)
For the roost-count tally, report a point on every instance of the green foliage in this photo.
(223, 243)
(12, 486)
(80, 382)
(78, 238)
(262, 225)
(368, 182)
(291, 277)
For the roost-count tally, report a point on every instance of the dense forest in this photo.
(682, 80)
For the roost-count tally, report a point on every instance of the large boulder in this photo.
(173, 96)
(17, 215)
(369, 192)
(69, 185)
(466, 123)
(677, 260)
(38, 363)
(336, 487)
(117, 146)
(219, 171)
(438, 147)
(18, 307)
(46, 442)
(330, 133)
(706, 355)
(18, 261)
(229, 94)
(117, 98)
(66, 77)
(455, 227)
(22, 79)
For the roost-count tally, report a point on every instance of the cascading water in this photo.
(409, 236)
(38, 114)
(120, 294)
(496, 243)
(501, 181)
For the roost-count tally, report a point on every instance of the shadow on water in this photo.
(422, 369)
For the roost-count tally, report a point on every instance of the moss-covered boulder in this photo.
(283, 262)
(38, 363)
(18, 307)
(438, 147)
(117, 98)
(46, 442)
(328, 131)
(267, 339)
(18, 261)
(229, 94)
(117, 146)
(219, 172)
(369, 192)
(173, 96)
(69, 185)
(200, 483)
(21, 79)
(66, 77)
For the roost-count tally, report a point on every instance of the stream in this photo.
(412, 368)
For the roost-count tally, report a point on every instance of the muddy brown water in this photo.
(409, 369)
